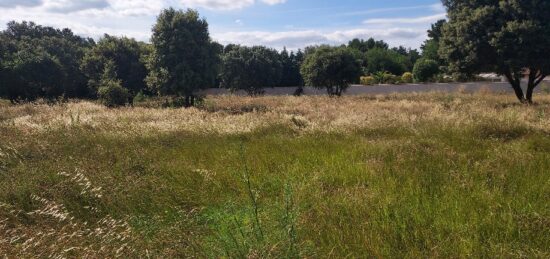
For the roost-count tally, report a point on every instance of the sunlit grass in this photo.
(419, 175)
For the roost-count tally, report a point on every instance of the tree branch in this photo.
(542, 77)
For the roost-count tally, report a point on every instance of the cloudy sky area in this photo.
(275, 23)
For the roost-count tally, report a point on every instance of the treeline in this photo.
(43, 62)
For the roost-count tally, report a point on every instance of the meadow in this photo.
(433, 175)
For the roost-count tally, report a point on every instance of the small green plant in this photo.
(367, 80)
(407, 78)
(140, 97)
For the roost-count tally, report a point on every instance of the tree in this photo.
(425, 69)
(507, 37)
(184, 58)
(62, 45)
(251, 69)
(381, 60)
(291, 69)
(430, 47)
(110, 90)
(366, 45)
(32, 73)
(333, 68)
(126, 56)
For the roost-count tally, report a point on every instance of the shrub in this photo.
(140, 97)
(368, 80)
(391, 79)
(425, 69)
(112, 94)
(407, 78)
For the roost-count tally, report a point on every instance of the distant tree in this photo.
(125, 54)
(381, 60)
(184, 59)
(32, 73)
(110, 90)
(291, 69)
(366, 45)
(507, 37)
(61, 46)
(333, 68)
(425, 70)
(251, 69)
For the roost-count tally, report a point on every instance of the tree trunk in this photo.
(187, 101)
(535, 78)
(515, 81)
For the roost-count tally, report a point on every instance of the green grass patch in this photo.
(482, 191)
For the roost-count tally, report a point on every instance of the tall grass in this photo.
(399, 176)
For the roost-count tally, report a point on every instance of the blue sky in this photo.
(276, 23)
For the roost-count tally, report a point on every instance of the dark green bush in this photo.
(425, 69)
(112, 94)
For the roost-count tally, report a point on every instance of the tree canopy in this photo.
(184, 58)
(251, 69)
(33, 55)
(126, 56)
(507, 37)
(333, 68)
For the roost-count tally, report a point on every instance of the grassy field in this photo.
(399, 176)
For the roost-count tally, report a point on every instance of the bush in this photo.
(391, 79)
(407, 78)
(112, 94)
(386, 78)
(425, 69)
(368, 80)
(140, 97)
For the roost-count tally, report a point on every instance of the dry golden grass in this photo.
(230, 114)
(400, 176)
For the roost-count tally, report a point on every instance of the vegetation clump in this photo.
(332, 68)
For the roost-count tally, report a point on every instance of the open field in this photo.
(411, 175)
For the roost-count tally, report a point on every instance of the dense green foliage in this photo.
(378, 57)
(38, 61)
(507, 37)
(126, 56)
(184, 58)
(425, 70)
(381, 60)
(333, 68)
(251, 69)
(109, 88)
(291, 68)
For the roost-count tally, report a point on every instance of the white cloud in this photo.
(299, 39)
(227, 4)
(423, 19)
(134, 18)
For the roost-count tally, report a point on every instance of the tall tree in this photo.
(126, 56)
(430, 47)
(184, 60)
(62, 46)
(333, 68)
(291, 69)
(507, 37)
(251, 69)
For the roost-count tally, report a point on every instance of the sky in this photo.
(292, 24)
